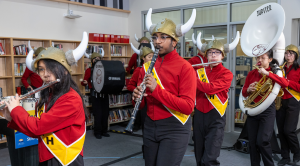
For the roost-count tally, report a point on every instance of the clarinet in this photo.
(22, 97)
(129, 127)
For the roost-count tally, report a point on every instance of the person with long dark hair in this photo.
(261, 127)
(288, 115)
(60, 122)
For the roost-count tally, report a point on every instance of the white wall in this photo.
(44, 19)
(291, 8)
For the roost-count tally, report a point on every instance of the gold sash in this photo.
(213, 99)
(63, 153)
(180, 116)
(294, 93)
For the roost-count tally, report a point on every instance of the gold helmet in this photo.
(224, 48)
(66, 59)
(168, 27)
(36, 50)
(292, 47)
(141, 39)
(95, 54)
(144, 51)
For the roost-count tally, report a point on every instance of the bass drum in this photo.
(108, 77)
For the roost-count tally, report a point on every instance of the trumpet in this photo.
(22, 97)
(203, 64)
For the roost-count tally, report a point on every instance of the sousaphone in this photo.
(262, 32)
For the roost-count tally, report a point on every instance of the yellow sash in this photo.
(213, 99)
(180, 116)
(63, 153)
(294, 93)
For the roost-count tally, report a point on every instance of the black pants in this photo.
(165, 141)
(54, 162)
(260, 129)
(100, 111)
(287, 119)
(208, 137)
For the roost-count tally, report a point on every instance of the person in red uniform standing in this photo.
(288, 115)
(35, 79)
(261, 126)
(60, 125)
(100, 102)
(213, 83)
(133, 60)
(199, 58)
(170, 95)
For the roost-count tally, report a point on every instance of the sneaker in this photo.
(296, 157)
(98, 136)
(105, 135)
(284, 161)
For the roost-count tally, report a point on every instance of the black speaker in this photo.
(242, 145)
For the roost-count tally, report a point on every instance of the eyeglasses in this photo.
(41, 71)
(210, 53)
(289, 54)
(162, 38)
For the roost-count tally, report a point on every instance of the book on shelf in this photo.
(59, 46)
(20, 49)
(94, 48)
(2, 52)
(240, 116)
(117, 115)
(118, 50)
(19, 68)
(122, 99)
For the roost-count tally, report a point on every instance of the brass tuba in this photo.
(263, 88)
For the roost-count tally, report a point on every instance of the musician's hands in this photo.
(5, 112)
(13, 102)
(30, 88)
(150, 82)
(84, 82)
(251, 87)
(263, 71)
(137, 92)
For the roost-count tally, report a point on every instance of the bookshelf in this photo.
(9, 81)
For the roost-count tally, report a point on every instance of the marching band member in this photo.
(60, 122)
(100, 102)
(35, 79)
(199, 58)
(213, 84)
(261, 126)
(288, 115)
(133, 60)
(170, 95)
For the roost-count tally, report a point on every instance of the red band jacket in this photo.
(255, 76)
(134, 79)
(87, 76)
(293, 77)
(197, 60)
(178, 78)
(132, 63)
(219, 83)
(35, 79)
(66, 119)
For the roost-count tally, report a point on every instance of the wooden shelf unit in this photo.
(8, 80)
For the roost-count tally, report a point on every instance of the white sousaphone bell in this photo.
(262, 32)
